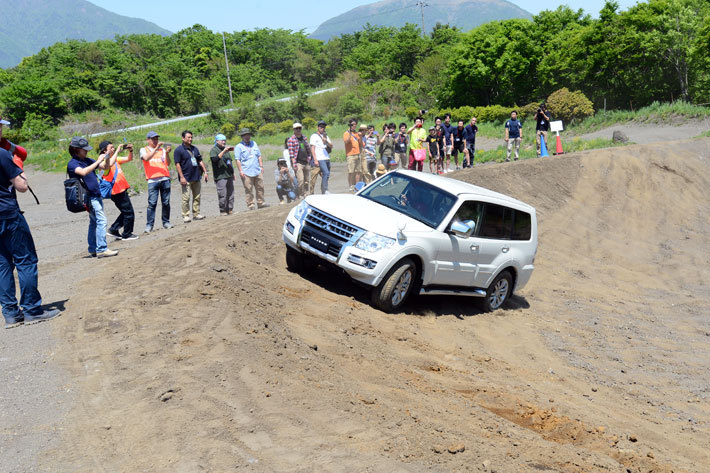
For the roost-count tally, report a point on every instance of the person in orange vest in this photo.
(156, 161)
(119, 193)
(19, 154)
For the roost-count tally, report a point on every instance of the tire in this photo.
(396, 287)
(298, 262)
(498, 292)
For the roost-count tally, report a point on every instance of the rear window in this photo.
(504, 223)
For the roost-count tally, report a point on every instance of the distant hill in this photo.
(26, 26)
(465, 14)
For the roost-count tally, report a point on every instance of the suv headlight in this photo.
(372, 242)
(300, 210)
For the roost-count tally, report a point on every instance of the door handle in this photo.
(474, 247)
(505, 249)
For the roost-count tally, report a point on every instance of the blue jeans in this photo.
(97, 225)
(162, 187)
(324, 165)
(281, 192)
(17, 251)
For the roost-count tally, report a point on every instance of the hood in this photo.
(365, 214)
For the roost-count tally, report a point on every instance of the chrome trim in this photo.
(325, 256)
(453, 292)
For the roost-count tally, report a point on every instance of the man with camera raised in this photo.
(223, 172)
(542, 126)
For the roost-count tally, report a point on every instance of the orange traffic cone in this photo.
(558, 149)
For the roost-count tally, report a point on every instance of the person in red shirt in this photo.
(119, 194)
(19, 154)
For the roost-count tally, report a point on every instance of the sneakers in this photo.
(199, 217)
(148, 229)
(115, 234)
(186, 219)
(168, 226)
(263, 206)
(326, 192)
(14, 322)
(107, 253)
(46, 315)
(281, 202)
(251, 207)
(223, 214)
(132, 236)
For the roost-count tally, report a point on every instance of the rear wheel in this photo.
(498, 292)
(396, 287)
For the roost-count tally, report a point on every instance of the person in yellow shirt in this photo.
(417, 153)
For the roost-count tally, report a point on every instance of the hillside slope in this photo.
(228, 361)
(464, 14)
(30, 25)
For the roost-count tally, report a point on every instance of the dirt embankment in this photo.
(212, 357)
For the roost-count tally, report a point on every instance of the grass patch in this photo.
(528, 150)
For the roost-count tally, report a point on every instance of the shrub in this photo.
(351, 105)
(84, 99)
(247, 124)
(492, 113)
(528, 111)
(309, 123)
(411, 113)
(285, 126)
(37, 127)
(569, 106)
(227, 130)
(268, 129)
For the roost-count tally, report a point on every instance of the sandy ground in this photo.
(196, 350)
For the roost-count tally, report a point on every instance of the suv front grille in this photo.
(321, 226)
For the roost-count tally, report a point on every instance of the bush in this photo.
(37, 127)
(411, 113)
(83, 99)
(247, 124)
(268, 129)
(227, 130)
(569, 106)
(492, 113)
(309, 123)
(351, 105)
(528, 111)
(285, 126)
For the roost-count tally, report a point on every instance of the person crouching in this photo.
(285, 181)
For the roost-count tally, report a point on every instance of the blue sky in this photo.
(219, 15)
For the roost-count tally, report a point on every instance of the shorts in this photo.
(448, 149)
(354, 163)
(456, 149)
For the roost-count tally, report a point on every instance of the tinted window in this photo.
(522, 227)
(470, 211)
(497, 222)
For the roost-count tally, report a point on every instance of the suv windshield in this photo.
(412, 197)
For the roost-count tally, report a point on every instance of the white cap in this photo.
(297, 125)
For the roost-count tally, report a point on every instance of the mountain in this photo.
(26, 26)
(464, 14)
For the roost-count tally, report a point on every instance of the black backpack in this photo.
(75, 195)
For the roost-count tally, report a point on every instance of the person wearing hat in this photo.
(18, 153)
(380, 171)
(119, 193)
(223, 173)
(321, 146)
(190, 168)
(368, 156)
(17, 250)
(251, 169)
(301, 157)
(285, 181)
(83, 168)
(156, 161)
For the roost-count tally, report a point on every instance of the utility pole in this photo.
(226, 62)
(421, 4)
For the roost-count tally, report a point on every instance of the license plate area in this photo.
(318, 242)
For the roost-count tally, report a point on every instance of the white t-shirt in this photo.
(321, 152)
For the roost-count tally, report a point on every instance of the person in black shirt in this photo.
(470, 137)
(433, 148)
(542, 126)
(458, 140)
(190, 168)
(448, 143)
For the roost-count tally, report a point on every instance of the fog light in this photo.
(289, 227)
(360, 261)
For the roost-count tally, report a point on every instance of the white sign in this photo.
(556, 126)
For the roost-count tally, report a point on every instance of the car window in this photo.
(470, 210)
(497, 222)
(521, 226)
(410, 196)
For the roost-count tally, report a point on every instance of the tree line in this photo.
(654, 51)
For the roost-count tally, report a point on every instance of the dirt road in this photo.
(198, 351)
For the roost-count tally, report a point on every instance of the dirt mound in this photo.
(201, 352)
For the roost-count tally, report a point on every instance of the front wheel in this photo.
(396, 287)
(498, 292)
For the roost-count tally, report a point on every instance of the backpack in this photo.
(106, 187)
(75, 195)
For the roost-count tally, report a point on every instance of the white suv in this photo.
(413, 231)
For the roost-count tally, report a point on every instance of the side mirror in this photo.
(463, 229)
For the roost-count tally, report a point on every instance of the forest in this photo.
(654, 51)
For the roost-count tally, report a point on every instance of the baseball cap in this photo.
(297, 125)
(81, 143)
(152, 134)
(103, 145)
(3, 122)
(322, 123)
